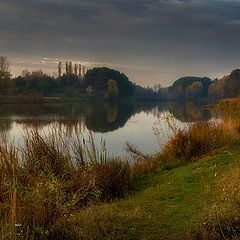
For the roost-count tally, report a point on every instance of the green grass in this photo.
(169, 204)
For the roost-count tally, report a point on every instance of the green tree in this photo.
(194, 90)
(187, 84)
(99, 76)
(5, 82)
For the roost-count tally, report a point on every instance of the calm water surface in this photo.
(145, 125)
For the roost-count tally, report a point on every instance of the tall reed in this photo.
(50, 177)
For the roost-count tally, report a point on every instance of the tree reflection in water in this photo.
(97, 117)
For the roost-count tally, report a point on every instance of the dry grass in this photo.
(50, 178)
(223, 218)
(229, 108)
(142, 164)
(201, 138)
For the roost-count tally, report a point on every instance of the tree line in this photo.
(99, 82)
(194, 88)
(107, 83)
(203, 87)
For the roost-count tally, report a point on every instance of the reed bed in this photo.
(228, 108)
(50, 178)
(201, 138)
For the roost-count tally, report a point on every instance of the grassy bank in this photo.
(53, 188)
(188, 191)
(169, 204)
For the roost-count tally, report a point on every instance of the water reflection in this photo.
(5, 126)
(107, 117)
(120, 122)
(189, 112)
(102, 117)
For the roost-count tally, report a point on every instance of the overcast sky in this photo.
(152, 41)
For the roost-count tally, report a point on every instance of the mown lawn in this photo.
(169, 204)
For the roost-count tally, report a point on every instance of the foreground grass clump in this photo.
(50, 178)
(223, 217)
(201, 138)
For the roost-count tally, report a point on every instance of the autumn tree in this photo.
(226, 87)
(232, 85)
(194, 90)
(89, 90)
(216, 89)
(187, 86)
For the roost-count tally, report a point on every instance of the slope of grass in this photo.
(169, 204)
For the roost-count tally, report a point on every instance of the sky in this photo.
(151, 41)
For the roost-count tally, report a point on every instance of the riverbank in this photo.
(24, 99)
(188, 191)
(178, 203)
(54, 188)
(168, 204)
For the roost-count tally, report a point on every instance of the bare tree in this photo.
(59, 69)
(76, 69)
(5, 76)
(80, 71)
(83, 71)
(70, 68)
(67, 68)
(25, 73)
(4, 64)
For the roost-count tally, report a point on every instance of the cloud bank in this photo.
(151, 40)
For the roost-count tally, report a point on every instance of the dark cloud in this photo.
(151, 40)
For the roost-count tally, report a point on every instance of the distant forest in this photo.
(105, 83)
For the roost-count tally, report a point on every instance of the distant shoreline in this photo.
(38, 99)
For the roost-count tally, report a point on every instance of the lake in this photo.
(146, 125)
